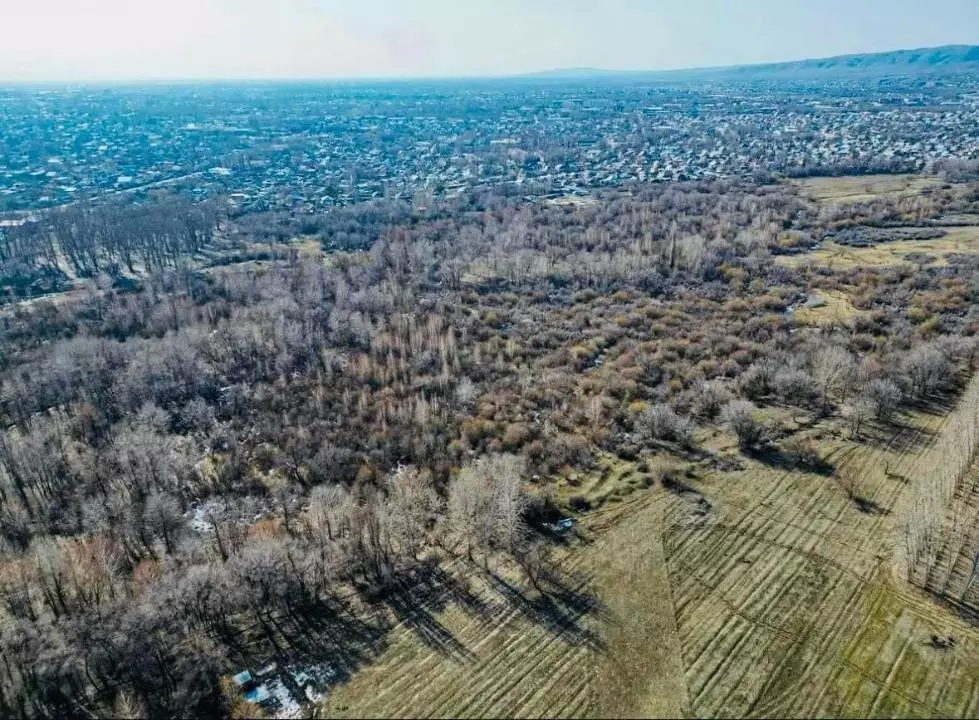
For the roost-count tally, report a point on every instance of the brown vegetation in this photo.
(289, 457)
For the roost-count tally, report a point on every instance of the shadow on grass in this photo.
(417, 598)
(323, 632)
(559, 606)
(898, 436)
(869, 507)
(350, 633)
(776, 457)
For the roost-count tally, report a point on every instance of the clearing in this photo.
(832, 306)
(863, 188)
(957, 240)
(763, 591)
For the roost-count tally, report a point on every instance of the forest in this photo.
(222, 429)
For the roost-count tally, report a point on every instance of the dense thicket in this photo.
(214, 453)
(38, 254)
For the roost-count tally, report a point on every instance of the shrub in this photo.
(756, 381)
(741, 418)
(794, 386)
(660, 422)
(708, 398)
(803, 451)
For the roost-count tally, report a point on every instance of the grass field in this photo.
(837, 308)
(958, 239)
(760, 592)
(863, 188)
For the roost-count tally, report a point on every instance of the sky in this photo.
(96, 40)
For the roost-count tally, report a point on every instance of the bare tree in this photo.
(163, 518)
(469, 509)
(857, 415)
(412, 506)
(928, 369)
(509, 500)
(882, 396)
(741, 418)
(487, 505)
(833, 368)
(708, 398)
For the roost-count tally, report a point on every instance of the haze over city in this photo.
(84, 40)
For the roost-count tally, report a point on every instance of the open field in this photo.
(785, 601)
(958, 239)
(761, 592)
(836, 307)
(863, 188)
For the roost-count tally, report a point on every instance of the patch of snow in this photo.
(200, 516)
(288, 706)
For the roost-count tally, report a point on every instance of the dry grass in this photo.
(610, 481)
(863, 188)
(760, 592)
(784, 600)
(633, 679)
(963, 240)
(837, 308)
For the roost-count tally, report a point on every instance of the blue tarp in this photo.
(258, 695)
(242, 678)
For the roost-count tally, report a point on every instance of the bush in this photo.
(794, 387)
(804, 452)
(741, 418)
(660, 422)
(756, 382)
(708, 398)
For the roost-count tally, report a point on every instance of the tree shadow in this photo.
(348, 634)
(937, 404)
(777, 458)
(869, 507)
(315, 633)
(896, 435)
(673, 483)
(418, 596)
(559, 606)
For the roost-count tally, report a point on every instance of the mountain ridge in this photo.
(877, 64)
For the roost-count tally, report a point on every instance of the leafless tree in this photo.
(833, 368)
(928, 369)
(741, 418)
(413, 505)
(883, 396)
(487, 505)
(163, 518)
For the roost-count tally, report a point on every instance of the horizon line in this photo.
(366, 79)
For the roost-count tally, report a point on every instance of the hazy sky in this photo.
(161, 39)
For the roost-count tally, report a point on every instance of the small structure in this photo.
(258, 695)
(243, 679)
(253, 691)
(563, 526)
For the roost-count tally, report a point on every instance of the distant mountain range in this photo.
(948, 58)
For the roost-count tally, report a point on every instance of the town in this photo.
(308, 147)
